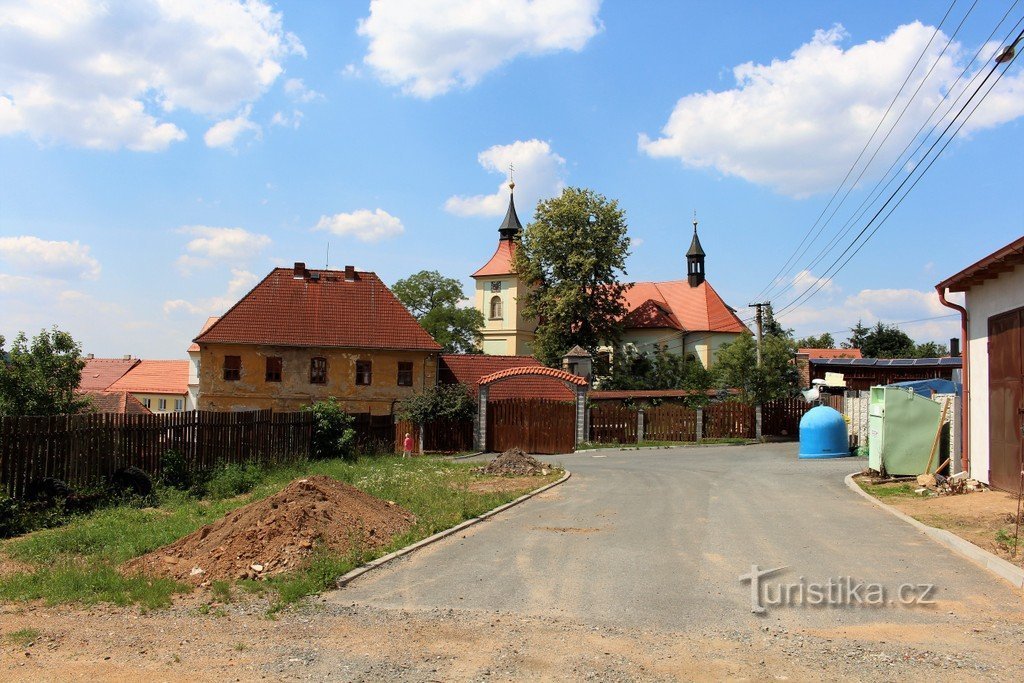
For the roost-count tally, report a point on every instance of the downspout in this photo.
(965, 354)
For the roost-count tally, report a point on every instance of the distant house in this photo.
(303, 335)
(160, 385)
(100, 373)
(193, 363)
(804, 356)
(121, 402)
(993, 330)
(860, 374)
(468, 369)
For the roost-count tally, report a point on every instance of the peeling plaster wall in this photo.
(294, 391)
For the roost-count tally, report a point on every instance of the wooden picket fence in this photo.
(612, 424)
(85, 450)
(535, 425)
(729, 419)
(781, 417)
(670, 423)
(439, 436)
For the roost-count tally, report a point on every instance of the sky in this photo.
(159, 157)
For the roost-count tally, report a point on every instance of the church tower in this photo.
(505, 332)
(695, 259)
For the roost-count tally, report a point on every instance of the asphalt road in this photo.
(658, 539)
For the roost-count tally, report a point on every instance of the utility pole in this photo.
(760, 325)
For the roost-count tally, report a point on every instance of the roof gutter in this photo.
(965, 412)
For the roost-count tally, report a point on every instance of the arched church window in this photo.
(496, 308)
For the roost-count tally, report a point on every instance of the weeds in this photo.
(23, 636)
(221, 591)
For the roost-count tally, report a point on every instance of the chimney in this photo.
(90, 356)
(954, 347)
(127, 356)
(299, 271)
(350, 273)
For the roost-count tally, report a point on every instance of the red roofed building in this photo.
(160, 385)
(121, 402)
(304, 335)
(468, 369)
(100, 373)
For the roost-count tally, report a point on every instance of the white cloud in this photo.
(292, 120)
(297, 90)
(429, 47)
(36, 256)
(104, 75)
(213, 245)
(539, 174)
(796, 125)
(241, 282)
(224, 133)
(364, 225)
(833, 313)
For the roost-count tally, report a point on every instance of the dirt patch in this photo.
(515, 462)
(276, 534)
(503, 484)
(977, 517)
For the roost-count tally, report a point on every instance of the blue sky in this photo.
(159, 158)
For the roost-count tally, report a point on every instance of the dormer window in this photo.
(496, 312)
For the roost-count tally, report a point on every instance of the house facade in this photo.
(305, 335)
(993, 331)
(159, 385)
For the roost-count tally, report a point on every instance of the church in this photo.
(685, 316)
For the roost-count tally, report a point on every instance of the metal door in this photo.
(1006, 399)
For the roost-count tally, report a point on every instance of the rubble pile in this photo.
(514, 462)
(276, 534)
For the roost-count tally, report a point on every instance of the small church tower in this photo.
(505, 332)
(695, 259)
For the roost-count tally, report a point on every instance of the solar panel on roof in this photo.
(863, 361)
(926, 361)
(953, 362)
(901, 361)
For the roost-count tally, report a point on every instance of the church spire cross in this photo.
(695, 258)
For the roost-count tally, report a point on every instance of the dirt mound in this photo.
(514, 462)
(275, 534)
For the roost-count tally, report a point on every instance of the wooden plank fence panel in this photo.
(670, 423)
(534, 425)
(613, 424)
(781, 417)
(729, 419)
(85, 450)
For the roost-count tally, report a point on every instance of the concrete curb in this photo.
(663, 448)
(373, 564)
(1005, 570)
(466, 457)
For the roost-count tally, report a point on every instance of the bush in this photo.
(440, 402)
(333, 435)
(174, 472)
(233, 479)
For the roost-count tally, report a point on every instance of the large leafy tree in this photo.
(822, 341)
(41, 377)
(659, 370)
(435, 301)
(736, 368)
(887, 341)
(573, 255)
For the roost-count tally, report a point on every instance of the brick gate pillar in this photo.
(480, 433)
(581, 414)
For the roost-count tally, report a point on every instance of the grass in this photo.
(77, 563)
(593, 445)
(1005, 538)
(23, 636)
(891, 490)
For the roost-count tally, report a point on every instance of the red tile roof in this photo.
(194, 348)
(467, 369)
(651, 315)
(120, 402)
(831, 353)
(542, 371)
(155, 377)
(501, 262)
(322, 312)
(100, 373)
(696, 309)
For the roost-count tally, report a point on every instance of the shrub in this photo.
(233, 479)
(333, 435)
(174, 472)
(440, 402)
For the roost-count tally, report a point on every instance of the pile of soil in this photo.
(515, 462)
(276, 534)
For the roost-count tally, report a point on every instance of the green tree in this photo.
(770, 326)
(736, 368)
(887, 341)
(41, 377)
(931, 350)
(440, 402)
(434, 300)
(858, 333)
(333, 432)
(572, 256)
(659, 370)
(822, 341)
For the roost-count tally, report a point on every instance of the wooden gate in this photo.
(729, 419)
(612, 424)
(535, 425)
(1006, 399)
(670, 423)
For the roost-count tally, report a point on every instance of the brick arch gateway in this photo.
(531, 414)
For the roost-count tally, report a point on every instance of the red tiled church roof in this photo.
(100, 373)
(695, 309)
(155, 377)
(468, 369)
(501, 261)
(320, 310)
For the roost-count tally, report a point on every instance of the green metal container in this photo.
(901, 430)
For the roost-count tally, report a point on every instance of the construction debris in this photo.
(514, 462)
